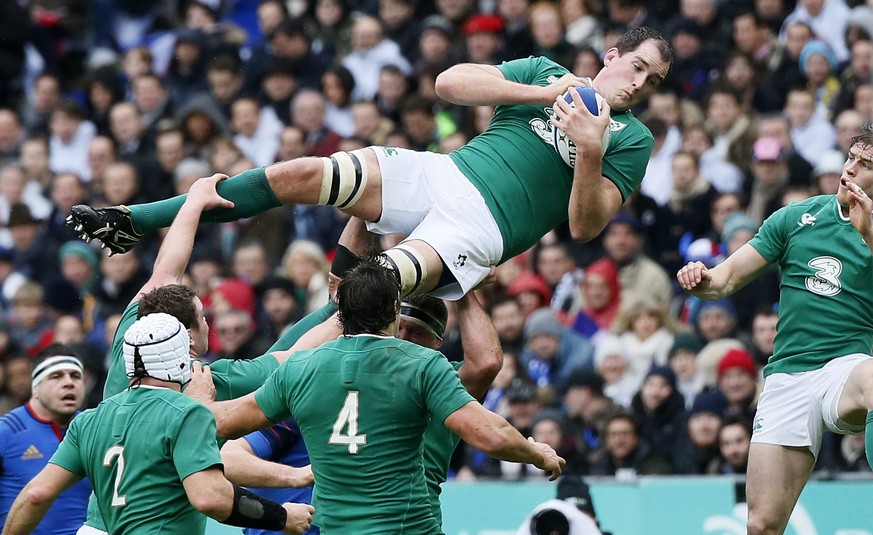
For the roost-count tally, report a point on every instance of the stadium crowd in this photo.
(111, 102)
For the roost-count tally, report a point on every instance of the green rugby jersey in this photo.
(825, 305)
(363, 403)
(136, 448)
(516, 168)
(438, 447)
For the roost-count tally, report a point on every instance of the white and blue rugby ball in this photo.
(567, 149)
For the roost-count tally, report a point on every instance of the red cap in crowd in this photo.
(737, 358)
(483, 23)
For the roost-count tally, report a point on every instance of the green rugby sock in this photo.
(249, 191)
(868, 439)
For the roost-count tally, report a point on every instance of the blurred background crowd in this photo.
(122, 101)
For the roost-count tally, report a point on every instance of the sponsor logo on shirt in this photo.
(31, 453)
(806, 219)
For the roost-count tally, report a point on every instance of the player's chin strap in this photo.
(252, 511)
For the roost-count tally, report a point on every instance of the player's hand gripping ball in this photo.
(565, 147)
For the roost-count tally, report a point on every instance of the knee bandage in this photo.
(343, 179)
(409, 266)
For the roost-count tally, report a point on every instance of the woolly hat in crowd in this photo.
(529, 282)
(737, 358)
(664, 372)
(736, 222)
(724, 305)
(585, 378)
(816, 46)
(79, 249)
(606, 346)
(709, 357)
(862, 17)
(689, 342)
(711, 401)
(542, 321)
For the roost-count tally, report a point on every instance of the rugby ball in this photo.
(567, 149)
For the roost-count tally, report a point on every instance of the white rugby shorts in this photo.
(426, 197)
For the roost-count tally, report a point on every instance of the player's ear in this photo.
(610, 55)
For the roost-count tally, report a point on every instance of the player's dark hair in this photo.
(176, 300)
(633, 38)
(368, 298)
(865, 138)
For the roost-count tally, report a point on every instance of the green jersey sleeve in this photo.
(272, 396)
(67, 455)
(116, 376)
(630, 148)
(442, 388)
(771, 238)
(236, 378)
(527, 70)
(196, 426)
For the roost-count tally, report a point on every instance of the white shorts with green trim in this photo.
(426, 197)
(796, 408)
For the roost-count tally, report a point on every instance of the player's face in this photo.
(61, 393)
(200, 332)
(630, 78)
(415, 333)
(858, 169)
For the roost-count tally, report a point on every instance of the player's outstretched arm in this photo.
(176, 249)
(483, 357)
(738, 270)
(492, 434)
(243, 467)
(474, 84)
(34, 500)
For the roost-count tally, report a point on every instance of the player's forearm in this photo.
(471, 84)
(483, 357)
(246, 469)
(590, 208)
(26, 513)
(176, 250)
(509, 445)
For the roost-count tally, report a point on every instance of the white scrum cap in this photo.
(163, 345)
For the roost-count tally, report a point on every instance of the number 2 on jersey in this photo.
(111, 453)
(348, 418)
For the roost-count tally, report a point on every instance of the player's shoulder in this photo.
(627, 125)
(15, 421)
(815, 207)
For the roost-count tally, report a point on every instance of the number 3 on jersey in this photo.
(348, 418)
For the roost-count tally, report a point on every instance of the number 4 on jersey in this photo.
(348, 416)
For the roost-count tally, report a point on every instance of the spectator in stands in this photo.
(638, 274)
(693, 64)
(508, 319)
(683, 361)
(35, 160)
(308, 110)
(28, 320)
(769, 178)
(279, 299)
(703, 425)
(397, 17)
(733, 132)
(121, 184)
(777, 126)
(552, 352)
(601, 293)
(237, 336)
(660, 411)
(122, 277)
(611, 363)
(625, 454)
(306, 266)
(548, 32)
(70, 135)
(559, 271)
(738, 382)
(66, 190)
(734, 438)
(256, 130)
(34, 253)
(531, 291)
(645, 332)
(810, 132)
(371, 51)
(11, 133)
(818, 64)
(46, 96)
(583, 30)
(586, 408)
(827, 18)
(18, 365)
(550, 427)
(848, 125)
(764, 334)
